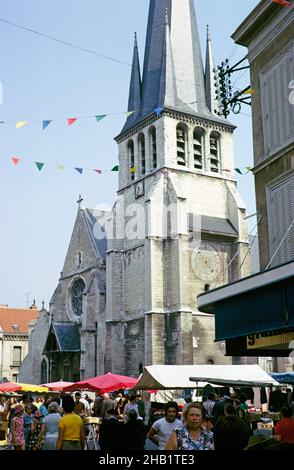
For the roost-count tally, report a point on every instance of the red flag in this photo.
(98, 171)
(71, 121)
(284, 3)
(15, 160)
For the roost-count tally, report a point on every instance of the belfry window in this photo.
(131, 159)
(142, 154)
(214, 152)
(153, 147)
(198, 147)
(181, 145)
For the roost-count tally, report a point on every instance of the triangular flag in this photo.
(15, 160)
(60, 167)
(226, 169)
(71, 121)
(129, 113)
(248, 169)
(238, 171)
(100, 117)
(80, 170)
(46, 124)
(158, 111)
(133, 169)
(284, 3)
(115, 168)
(250, 91)
(98, 171)
(20, 124)
(39, 165)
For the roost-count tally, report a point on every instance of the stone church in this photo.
(127, 293)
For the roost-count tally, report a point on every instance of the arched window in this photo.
(142, 153)
(214, 152)
(131, 159)
(44, 371)
(153, 147)
(198, 147)
(181, 144)
(77, 296)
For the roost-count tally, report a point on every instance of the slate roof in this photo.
(97, 229)
(215, 225)
(16, 320)
(67, 336)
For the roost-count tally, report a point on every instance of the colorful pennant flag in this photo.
(100, 117)
(15, 160)
(248, 169)
(60, 167)
(128, 113)
(80, 170)
(133, 169)
(158, 111)
(45, 124)
(115, 168)
(39, 165)
(226, 169)
(71, 121)
(238, 171)
(284, 3)
(98, 171)
(20, 124)
(250, 91)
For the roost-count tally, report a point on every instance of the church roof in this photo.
(67, 336)
(215, 225)
(173, 74)
(95, 221)
(16, 320)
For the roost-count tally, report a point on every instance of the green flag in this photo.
(238, 171)
(100, 117)
(39, 165)
(115, 168)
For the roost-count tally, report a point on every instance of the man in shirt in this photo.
(162, 428)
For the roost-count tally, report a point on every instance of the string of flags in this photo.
(284, 3)
(40, 166)
(72, 120)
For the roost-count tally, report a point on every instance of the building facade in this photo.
(127, 292)
(14, 339)
(268, 330)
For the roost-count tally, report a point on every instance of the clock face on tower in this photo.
(205, 262)
(139, 189)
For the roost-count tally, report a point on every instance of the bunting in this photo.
(284, 3)
(71, 121)
(39, 165)
(15, 160)
(20, 124)
(80, 170)
(46, 124)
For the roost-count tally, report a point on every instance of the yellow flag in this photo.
(129, 113)
(250, 91)
(60, 167)
(133, 169)
(20, 124)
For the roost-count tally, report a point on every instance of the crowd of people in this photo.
(53, 423)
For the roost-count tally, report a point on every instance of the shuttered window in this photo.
(277, 111)
(281, 214)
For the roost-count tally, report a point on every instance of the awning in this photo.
(161, 377)
(256, 304)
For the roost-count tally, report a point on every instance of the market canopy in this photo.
(104, 383)
(55, 386)
(21, 387)
(161, 377)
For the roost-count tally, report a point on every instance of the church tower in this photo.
(178, 226)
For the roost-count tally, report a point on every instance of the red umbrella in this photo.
(9, 387)
(104, 383)
(54, 386)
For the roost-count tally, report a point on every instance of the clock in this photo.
(206, 262)
(139, 189)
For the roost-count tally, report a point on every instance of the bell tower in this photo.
(178, 223)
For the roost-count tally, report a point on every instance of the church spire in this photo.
(167, 80)
(135, 84)
(210, 90)
(173, 70)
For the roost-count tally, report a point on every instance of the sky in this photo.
(42, 79)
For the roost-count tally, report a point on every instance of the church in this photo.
(127, 293)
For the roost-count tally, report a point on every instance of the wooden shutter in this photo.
(281, 215)
(277, 111)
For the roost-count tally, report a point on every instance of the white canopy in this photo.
(161, 377)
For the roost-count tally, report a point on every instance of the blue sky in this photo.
(42, 79)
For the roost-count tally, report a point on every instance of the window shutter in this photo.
(281, 215)
(277, 111)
